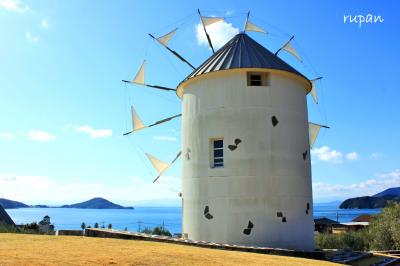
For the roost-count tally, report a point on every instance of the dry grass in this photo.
(19, 249)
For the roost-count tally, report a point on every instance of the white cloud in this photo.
(376, 155)
(93, 133)
(326, 154)
(41, 189)
(365, 188)
(352, 156)
(220, 33)
(14, 5)
(7, 135)
(44, 24)
(38, 135)
(32, 38)
(164, 138)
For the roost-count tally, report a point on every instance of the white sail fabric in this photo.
(210, 20)
(252, 27)
(313, 130)
(139, 78)
(314, 90)
(289, 48)
(137, 123)
(159, 165)
(167, 37)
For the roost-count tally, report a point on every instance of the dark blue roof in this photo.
(242, 52)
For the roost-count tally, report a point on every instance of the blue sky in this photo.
(63, 108)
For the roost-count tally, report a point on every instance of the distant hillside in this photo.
(11, 204)
(96, 203)
(369, 202)
(394, 191)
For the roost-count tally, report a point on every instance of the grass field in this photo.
(21, 249)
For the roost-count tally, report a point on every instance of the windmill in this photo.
(246, 139)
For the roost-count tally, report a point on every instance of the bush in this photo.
(385, 229)
(147, 230)
(358, 240)
(31, 228)
(383, 233)
(161, 231)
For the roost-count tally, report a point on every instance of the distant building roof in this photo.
(355, 223)
(363, 218)
(242, 52)
(324, 221)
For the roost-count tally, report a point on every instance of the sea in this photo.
(146, 217)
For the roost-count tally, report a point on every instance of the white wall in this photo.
(266, 174)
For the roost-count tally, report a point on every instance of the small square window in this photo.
(217, 153)
(257, 79)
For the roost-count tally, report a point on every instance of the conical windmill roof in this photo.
(242, 52)
(4, 217)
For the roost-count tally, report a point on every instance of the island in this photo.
(12, 204)
(95, 203)
(376, 201)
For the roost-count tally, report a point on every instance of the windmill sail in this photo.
(252, 27)
(289, 48)
(314, 89)
(137, 123)
(207, 21)
(164, 41)
(159, 165)
(313, 130)
(167, 37)
(139, 78)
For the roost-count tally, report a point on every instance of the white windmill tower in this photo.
(246, 171)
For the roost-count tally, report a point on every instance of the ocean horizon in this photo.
(150, 217)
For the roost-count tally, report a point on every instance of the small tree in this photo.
(384, 230)
(83, 226)
(109, 226)
(161, 231)
(147, 230)
(96, 225)
(33, 227)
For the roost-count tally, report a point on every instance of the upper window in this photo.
(257, 79)
(217, 152)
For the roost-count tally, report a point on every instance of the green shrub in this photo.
(358, 240)
(147, 230)
(161, 231)
(385, 229)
